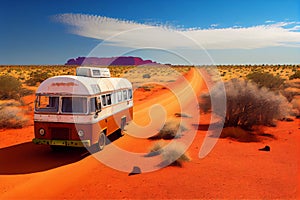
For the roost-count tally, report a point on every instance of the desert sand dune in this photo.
(232, 170)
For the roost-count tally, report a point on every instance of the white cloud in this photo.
(269, 21)
(214, 25)
(131, 34)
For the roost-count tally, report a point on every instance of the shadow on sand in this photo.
(30, 158)
(204, 127)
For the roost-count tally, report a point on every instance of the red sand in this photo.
(232, 170)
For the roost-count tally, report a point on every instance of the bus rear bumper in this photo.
(69, 143)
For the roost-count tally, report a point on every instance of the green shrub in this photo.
(263, 79)
(10, 88)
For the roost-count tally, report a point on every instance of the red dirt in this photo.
(232, 170)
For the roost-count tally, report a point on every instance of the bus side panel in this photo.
(111, 124)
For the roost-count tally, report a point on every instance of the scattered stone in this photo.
(266, 148)
(135, 170)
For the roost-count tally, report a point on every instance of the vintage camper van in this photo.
(81, 110)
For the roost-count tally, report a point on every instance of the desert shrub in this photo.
(171, 129)
(37, 77)
(290, 93)
(12, 117)
(291, 89)
(146, 76)
(296, 106)
(10, 87)
(248, 105)
(263, 79)
(155, 150)
(10, 102)
(174, 154)
(295, 75)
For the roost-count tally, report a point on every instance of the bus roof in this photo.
(79, 85)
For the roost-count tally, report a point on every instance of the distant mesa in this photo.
(123, 60)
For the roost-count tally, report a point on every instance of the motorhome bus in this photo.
(81, 110)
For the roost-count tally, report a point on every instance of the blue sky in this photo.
(50, 32)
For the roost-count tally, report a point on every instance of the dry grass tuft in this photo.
(172, 129)
(12, 116)
(174, 154)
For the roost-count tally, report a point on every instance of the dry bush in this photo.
(156, 149)
(291, 89)
(263, 79)
(174, 154)
(296, 75)
(171, 129)
(12, 117)
(10, 88)
(296, 106)
(248, 105)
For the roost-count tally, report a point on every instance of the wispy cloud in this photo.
(137, 35)
(269, 21)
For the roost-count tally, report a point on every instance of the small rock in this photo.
(266, 148)
(135, 170)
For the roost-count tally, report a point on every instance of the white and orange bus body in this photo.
(81, 110)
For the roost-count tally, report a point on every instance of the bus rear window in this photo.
(47, 104)
(74, 105)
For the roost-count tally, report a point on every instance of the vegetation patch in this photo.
(11, 116)
(264, 79)
(248, 105)
(171, 129)
(172, 154)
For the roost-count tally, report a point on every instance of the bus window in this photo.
(47, 104)
(119, 96)
(98, 103)
(129, 93)
(93, 105)
(108, 99)
(75, 105)
(125, 94)
(103, 100)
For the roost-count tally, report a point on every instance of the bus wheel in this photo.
(101, 141)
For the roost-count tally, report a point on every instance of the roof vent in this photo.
(93, 72)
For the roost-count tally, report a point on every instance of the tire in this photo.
(101, 141)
